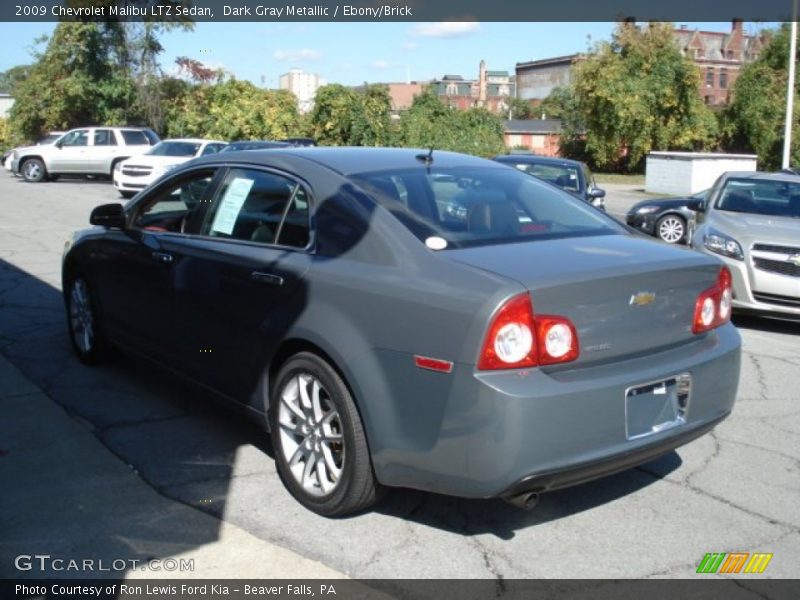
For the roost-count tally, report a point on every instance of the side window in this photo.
(177, 208)
(79, 137)
(104, 137)
(134, 137)
(259, 207)
(211, 149)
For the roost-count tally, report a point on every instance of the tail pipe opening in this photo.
(525, 500)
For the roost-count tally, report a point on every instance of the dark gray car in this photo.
(531, 345)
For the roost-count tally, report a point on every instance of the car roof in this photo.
(538, 160)
(193, 141)
(764, 175)
(351, 160)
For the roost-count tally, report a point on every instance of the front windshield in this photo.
(175, 149)
(774, 198)
(472, 207)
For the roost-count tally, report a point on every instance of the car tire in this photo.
(33, 170)
(86, 332)
(127, 195)
(671, 229)
(320, 447)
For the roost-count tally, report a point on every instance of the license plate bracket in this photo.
(657, 406)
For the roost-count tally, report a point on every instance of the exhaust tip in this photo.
(524, 501)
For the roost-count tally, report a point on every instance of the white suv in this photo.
(84, 151)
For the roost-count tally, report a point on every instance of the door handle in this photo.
(162, 257)
(267, 278)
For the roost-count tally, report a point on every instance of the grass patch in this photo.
(619, 178)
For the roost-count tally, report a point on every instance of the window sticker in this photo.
(231, 204)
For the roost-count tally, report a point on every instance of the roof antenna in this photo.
(426, 159)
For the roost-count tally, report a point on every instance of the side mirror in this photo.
(697, 205)
(109, 216)
(58, 144)
(596, 193)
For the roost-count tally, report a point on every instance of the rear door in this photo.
(101, 151)
(240, 284)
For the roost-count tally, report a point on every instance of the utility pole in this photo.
(787, 132)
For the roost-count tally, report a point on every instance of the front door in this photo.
(137, 295)
(69, 156)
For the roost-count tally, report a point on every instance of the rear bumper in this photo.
(488, 434)
(581, 473)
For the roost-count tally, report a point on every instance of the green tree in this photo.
(74, 82)
(637, 93)
(523, 109)
(371, 125)
(11, 78)
(429, 123)
(233, 109)
(343, 116)
(754, 120)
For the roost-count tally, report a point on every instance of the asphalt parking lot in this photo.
(735, 490)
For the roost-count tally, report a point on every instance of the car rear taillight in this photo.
(713, 306)
(517, 338)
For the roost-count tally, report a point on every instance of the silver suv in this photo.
(84, 151)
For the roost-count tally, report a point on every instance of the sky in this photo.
(354, 53)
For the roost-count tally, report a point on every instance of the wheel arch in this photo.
(302, 340)
(114, 161)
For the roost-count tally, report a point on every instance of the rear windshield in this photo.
(472, 207)
(761, 197)
(565, 177)
(175, 149)
(134, 137)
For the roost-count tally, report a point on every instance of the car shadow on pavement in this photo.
(170, 434)
(499, 518)
(766, 324)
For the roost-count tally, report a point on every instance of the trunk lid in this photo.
(626, 295)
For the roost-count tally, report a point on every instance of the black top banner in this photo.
(395, 10)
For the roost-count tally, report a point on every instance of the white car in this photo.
(49, 138)
(136, 173)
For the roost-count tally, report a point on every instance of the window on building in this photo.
(452, 89)
(723, 79)
(710, 78)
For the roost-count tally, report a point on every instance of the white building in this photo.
(6, 102)
(303, 85)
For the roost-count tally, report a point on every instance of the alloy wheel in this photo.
(33, 170)
(81, 316)
(311, 434)
(671, 229)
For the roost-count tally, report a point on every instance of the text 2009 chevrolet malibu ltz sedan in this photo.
(528, 344)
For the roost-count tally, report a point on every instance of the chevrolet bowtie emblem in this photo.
(642, 299)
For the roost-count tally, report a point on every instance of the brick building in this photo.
(536, 79)
(720, 57)
(492, 90)
(540, 136)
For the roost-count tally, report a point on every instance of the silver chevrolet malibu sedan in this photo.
(751, 221)
(526, 343)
